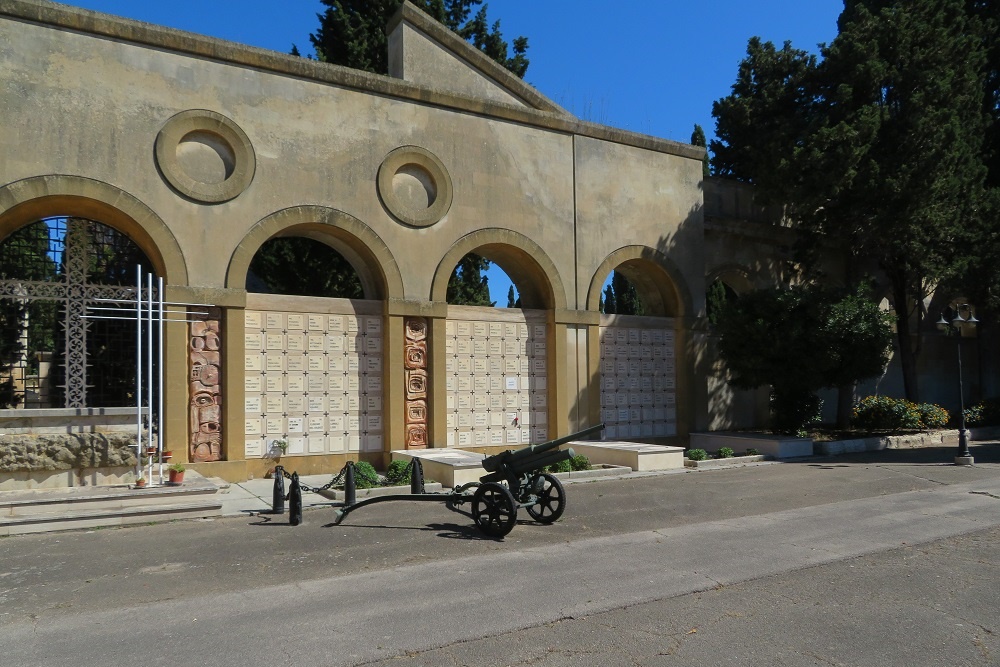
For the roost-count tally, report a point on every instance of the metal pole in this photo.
(159, 404)
(963, 440)
(138, 368)
(149, 378)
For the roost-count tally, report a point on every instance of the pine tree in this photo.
(467, 285)
(698, 139)
(296, 265)
(352, 32)
(610, 305)
(878, 145)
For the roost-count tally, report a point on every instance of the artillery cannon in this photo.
(513, 480)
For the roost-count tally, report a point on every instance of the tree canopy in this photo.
(799, 340)
(878, 144)
(352, 32)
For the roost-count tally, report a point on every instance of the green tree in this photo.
(610, 305)
(352, 32)
(296, 265)
(878, 145)
(467, 285)
(799, 340)
(513, 300)
(627, 300)
(698, 139)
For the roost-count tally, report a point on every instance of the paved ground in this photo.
(878, 559)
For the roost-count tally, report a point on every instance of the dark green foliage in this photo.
(398, 473)
(725, 453)
(11, 317)
(513, 300)
(626, 298)
(697, 454)
(352, 32)
(365, 476)
(610, 305)
(878, 145)
(467, 285)
(302, 266)
(751, 452)
(932, 416)
(579, 462)
(698, 139)
(716, 296)
(562, 466)
(984, 413)
(799, 340)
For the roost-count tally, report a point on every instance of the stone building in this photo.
(125, 143)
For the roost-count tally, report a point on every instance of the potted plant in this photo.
(176, 472)
(140, 482)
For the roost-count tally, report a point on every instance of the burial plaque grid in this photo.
(313, 380)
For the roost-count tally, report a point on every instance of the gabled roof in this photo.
(425, 53)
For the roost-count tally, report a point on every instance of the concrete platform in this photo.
(450, 467)
(638, 456)
(778, 446)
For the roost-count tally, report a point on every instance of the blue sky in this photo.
(649, 66)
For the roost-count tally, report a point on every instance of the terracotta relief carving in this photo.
(415, 364)
(205, 357)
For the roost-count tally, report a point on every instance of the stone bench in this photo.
(450, 467)
(635, 455)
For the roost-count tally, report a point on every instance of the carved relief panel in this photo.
(415, 363)
(205, 388)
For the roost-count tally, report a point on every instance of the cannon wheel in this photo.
(493, 509)
(551, 498)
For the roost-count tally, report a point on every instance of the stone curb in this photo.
(337, 494)
(606, 470)
(727, 462)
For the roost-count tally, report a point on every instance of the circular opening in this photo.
(206, 157)
(414, 187)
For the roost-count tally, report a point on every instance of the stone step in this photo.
(95, 517)
(640, 457)
(48, 510)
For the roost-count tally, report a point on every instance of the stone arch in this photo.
(656, 278)
(736, 276)
(31, 199)
(356, 241)
(535, 275)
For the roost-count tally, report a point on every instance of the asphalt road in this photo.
(878, 559)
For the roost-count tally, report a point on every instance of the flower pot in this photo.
(140, 483)
(176, 477)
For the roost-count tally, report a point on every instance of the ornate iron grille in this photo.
(50, 356)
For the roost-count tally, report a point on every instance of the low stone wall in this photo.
(50, 452)
(944, 438)
(68, 420)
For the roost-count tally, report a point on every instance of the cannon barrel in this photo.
(526, 465)
(511, 458)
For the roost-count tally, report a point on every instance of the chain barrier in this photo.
(338, 479)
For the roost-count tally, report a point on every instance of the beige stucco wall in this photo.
(557, 202)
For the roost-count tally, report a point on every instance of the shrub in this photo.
(726, 453)
(985, 413)
(697, 454)
(562, 466)
(398, 473)
(365, 476)
(752, 452)
(580, 462)
(882, 413)
(932, 416)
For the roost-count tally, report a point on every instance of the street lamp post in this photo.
(962, 456)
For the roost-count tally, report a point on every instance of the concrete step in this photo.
(50, 510)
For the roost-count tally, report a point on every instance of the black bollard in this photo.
(350, 493)
(295, 501)
(278, 496)
(416, 476)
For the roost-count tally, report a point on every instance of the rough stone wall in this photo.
(49, 452)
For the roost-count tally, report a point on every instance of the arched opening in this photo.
(296, 265)
(314, 333)
(54, 351)
(498, 359)
(641, 298)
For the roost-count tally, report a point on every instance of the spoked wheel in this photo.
(551, 498)
(494, 510)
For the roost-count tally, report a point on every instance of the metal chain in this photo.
(341, 476)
